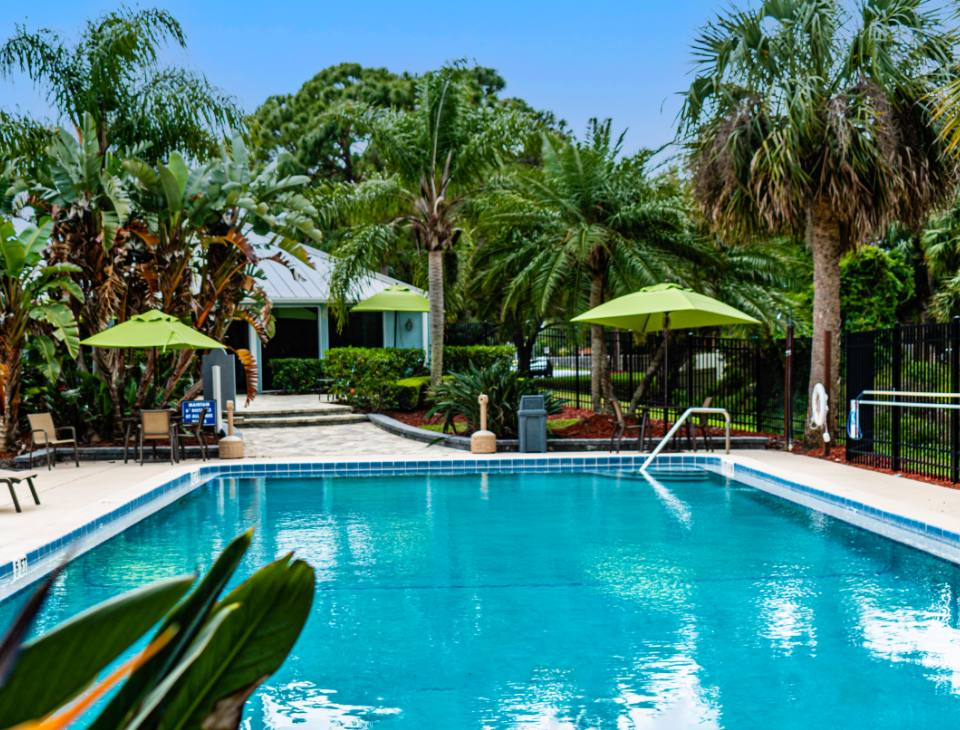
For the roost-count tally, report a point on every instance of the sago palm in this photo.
(809, 119)
(436, 158)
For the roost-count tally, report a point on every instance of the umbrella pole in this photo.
(395, 344)
(666, 371)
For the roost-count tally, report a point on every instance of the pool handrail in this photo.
(676, 427)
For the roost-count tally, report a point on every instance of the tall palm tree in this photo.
(807, 119)
(112, 73)
(603, 227)
(436, 158)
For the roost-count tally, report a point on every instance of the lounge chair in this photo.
(11, 479)
(43, 432)
(156, 426)
(620, 427)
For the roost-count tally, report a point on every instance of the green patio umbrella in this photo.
(663, 307)
(152, 329)
(395, 298)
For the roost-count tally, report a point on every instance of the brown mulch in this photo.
(590, 426)
(838, 454)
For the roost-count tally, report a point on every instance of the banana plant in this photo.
(208, 653)
(197, 257)
(33, 309)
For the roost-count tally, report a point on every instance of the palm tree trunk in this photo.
(435, 260)
(10, 425)
(597, 358)
(826, 244)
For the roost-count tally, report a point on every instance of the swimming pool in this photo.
(566, 600)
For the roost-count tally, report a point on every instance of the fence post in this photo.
(955, 388)
(759, 392)
(788, 391)
(828, 384)
(576, 366)
(691, 362)
(897, 377)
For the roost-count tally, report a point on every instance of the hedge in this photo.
(367, 377)
(460, 358)
(296, 374)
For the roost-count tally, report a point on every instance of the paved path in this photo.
(291, 403)
(357, 439)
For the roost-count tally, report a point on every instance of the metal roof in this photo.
(311, 285)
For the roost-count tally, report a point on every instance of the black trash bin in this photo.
(532, 425)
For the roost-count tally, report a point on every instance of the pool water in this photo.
(566, 600)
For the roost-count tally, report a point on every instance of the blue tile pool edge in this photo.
(924, 536)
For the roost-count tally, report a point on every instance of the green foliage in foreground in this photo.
(458, 394)
(210, 652)
(296, 374)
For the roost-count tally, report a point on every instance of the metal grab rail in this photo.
(908, 404)
(676, 427)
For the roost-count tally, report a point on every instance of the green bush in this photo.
(460, 358)
(296, 374)
(457, 396)
(412, 392)
(366, 377)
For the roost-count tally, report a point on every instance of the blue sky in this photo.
(625, 60)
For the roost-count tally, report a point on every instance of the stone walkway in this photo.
(357, 439)
(270, 403)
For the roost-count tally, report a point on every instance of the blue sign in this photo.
(190, 411)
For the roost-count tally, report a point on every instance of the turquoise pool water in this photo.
(570, 600)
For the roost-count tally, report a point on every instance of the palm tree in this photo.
(808, 120)
(604, 227)
(30, 310)
(112, 73)
(436, 157)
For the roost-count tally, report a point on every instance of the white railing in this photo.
(676, 427)
(908, 404)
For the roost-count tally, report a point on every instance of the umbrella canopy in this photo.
(152, 329)
(661, 306)
(395, 298)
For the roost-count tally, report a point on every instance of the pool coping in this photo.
(19, 571)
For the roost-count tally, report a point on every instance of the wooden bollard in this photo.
(231, 445)
(483, 441)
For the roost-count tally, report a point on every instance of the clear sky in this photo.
(626, 60)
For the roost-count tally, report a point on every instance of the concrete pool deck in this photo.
(72, 497)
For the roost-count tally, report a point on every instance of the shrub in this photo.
(366, 377)
(460, 358)
(457, 396)
(412, 392)
(296, 374)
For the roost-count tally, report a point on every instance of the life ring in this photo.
(818, 409)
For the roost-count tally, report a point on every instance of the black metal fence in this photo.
(745, 376)
(924, 359)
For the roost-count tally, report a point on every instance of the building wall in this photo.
(412, 331)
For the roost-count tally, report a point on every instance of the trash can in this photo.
(532, 425)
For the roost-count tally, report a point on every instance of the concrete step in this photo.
(321, 410)
(292, 420)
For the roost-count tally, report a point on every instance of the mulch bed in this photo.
(838, 454)
(591, 425)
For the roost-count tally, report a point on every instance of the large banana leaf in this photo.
(65, 328)
(268, 612)
(55, 667)
(189, 617)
